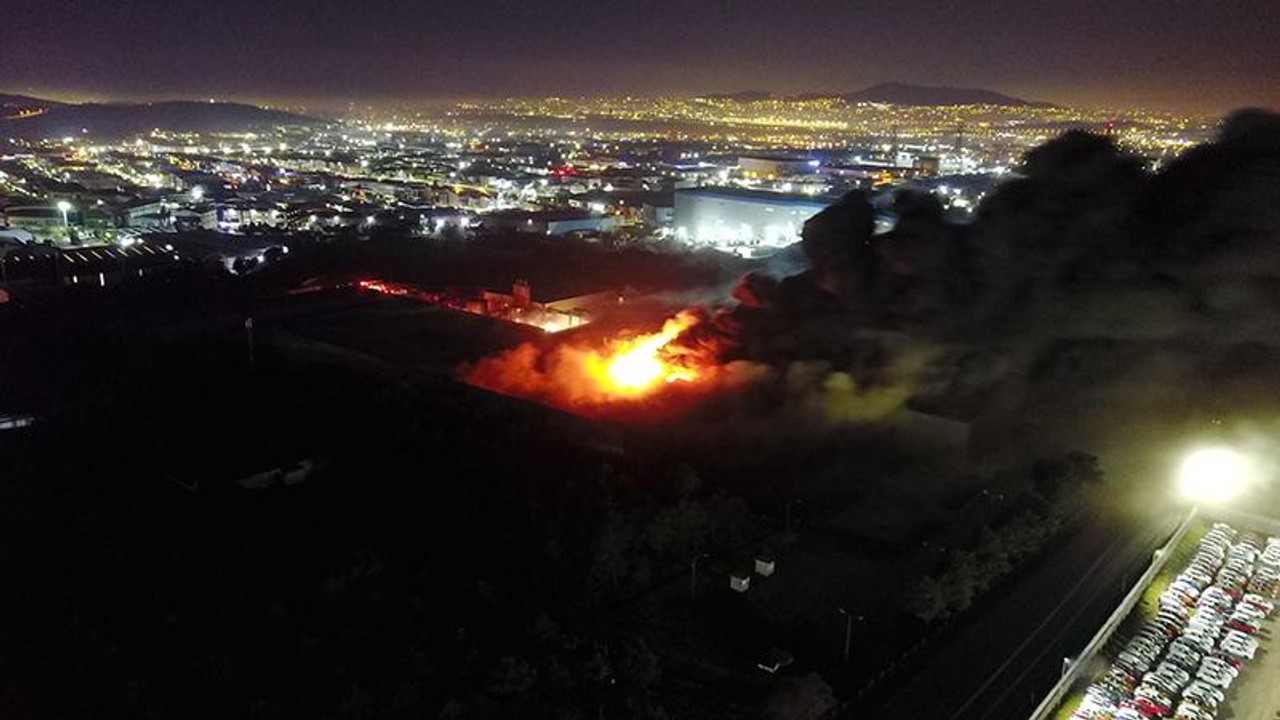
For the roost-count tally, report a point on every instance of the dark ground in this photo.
(1002, 662)
(457, 553)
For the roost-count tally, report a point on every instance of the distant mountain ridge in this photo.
(895, 93)
(25, 102)
(122, 119)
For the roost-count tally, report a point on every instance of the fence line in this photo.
(1051, 701)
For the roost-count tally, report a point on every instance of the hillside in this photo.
(892, 93)
(114, 120)
(896, 93)
(22, 106)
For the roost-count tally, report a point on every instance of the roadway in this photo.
(1001, 663)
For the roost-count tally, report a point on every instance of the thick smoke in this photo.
(567, 374)
(575, 374)
(1130, 309)
(1091, 304)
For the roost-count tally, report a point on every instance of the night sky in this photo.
(1199, 55)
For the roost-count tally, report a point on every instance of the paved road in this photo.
(1002, 663)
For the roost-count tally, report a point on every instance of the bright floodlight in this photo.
(64, 206)
(1213, 475)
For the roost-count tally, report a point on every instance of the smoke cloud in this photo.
(1091, 304)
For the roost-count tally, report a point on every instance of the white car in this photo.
(1259, 602)
(1200, 640)
(1209, 628)
(1204, 693)
(1247, 610)
(1240, 650)
(1188, 710)
(1240, 645)
(1213, 663)
(1215, 677)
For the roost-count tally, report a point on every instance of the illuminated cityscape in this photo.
(717, 360)
(554, 166)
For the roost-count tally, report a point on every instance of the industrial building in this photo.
(773, 167)
(550, 222)
(41, 221)
(745, 222)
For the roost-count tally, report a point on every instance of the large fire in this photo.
(635, 366)
(654, 376)
(591, 377)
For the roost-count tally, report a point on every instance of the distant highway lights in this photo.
(1214, 475)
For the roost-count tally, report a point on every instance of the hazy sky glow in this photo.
(1192, 55)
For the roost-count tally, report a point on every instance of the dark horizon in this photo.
(1202, 58)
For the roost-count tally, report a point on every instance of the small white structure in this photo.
(739, 582)
(764, 566)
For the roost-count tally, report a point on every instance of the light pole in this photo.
(848, 630)
(1066, 666)
(65, 206)
(693, 574)
(787, 514)
(248, 332)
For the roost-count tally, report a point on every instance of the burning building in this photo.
(801, 349)
(594, 377)
(518, 306)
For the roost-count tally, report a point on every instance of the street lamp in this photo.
(693, 574)
(1214, 475)
(64, 206)
(848, 630)
(787, 513)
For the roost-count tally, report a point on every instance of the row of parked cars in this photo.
(1181, 663)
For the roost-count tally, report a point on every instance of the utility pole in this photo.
(248, 332)
(848, 631)
(693, 575)
(787, 514)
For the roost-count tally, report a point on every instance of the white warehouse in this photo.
(745, 222)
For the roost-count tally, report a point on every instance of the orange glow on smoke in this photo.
(595, 377)
(633, 367)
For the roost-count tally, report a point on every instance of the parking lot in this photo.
(1257, 695)
(1200, 647)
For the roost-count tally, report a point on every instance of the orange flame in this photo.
(590, 377)
(634, 367)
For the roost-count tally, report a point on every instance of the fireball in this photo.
(635, 369)
(593, 377)
(636, 366)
